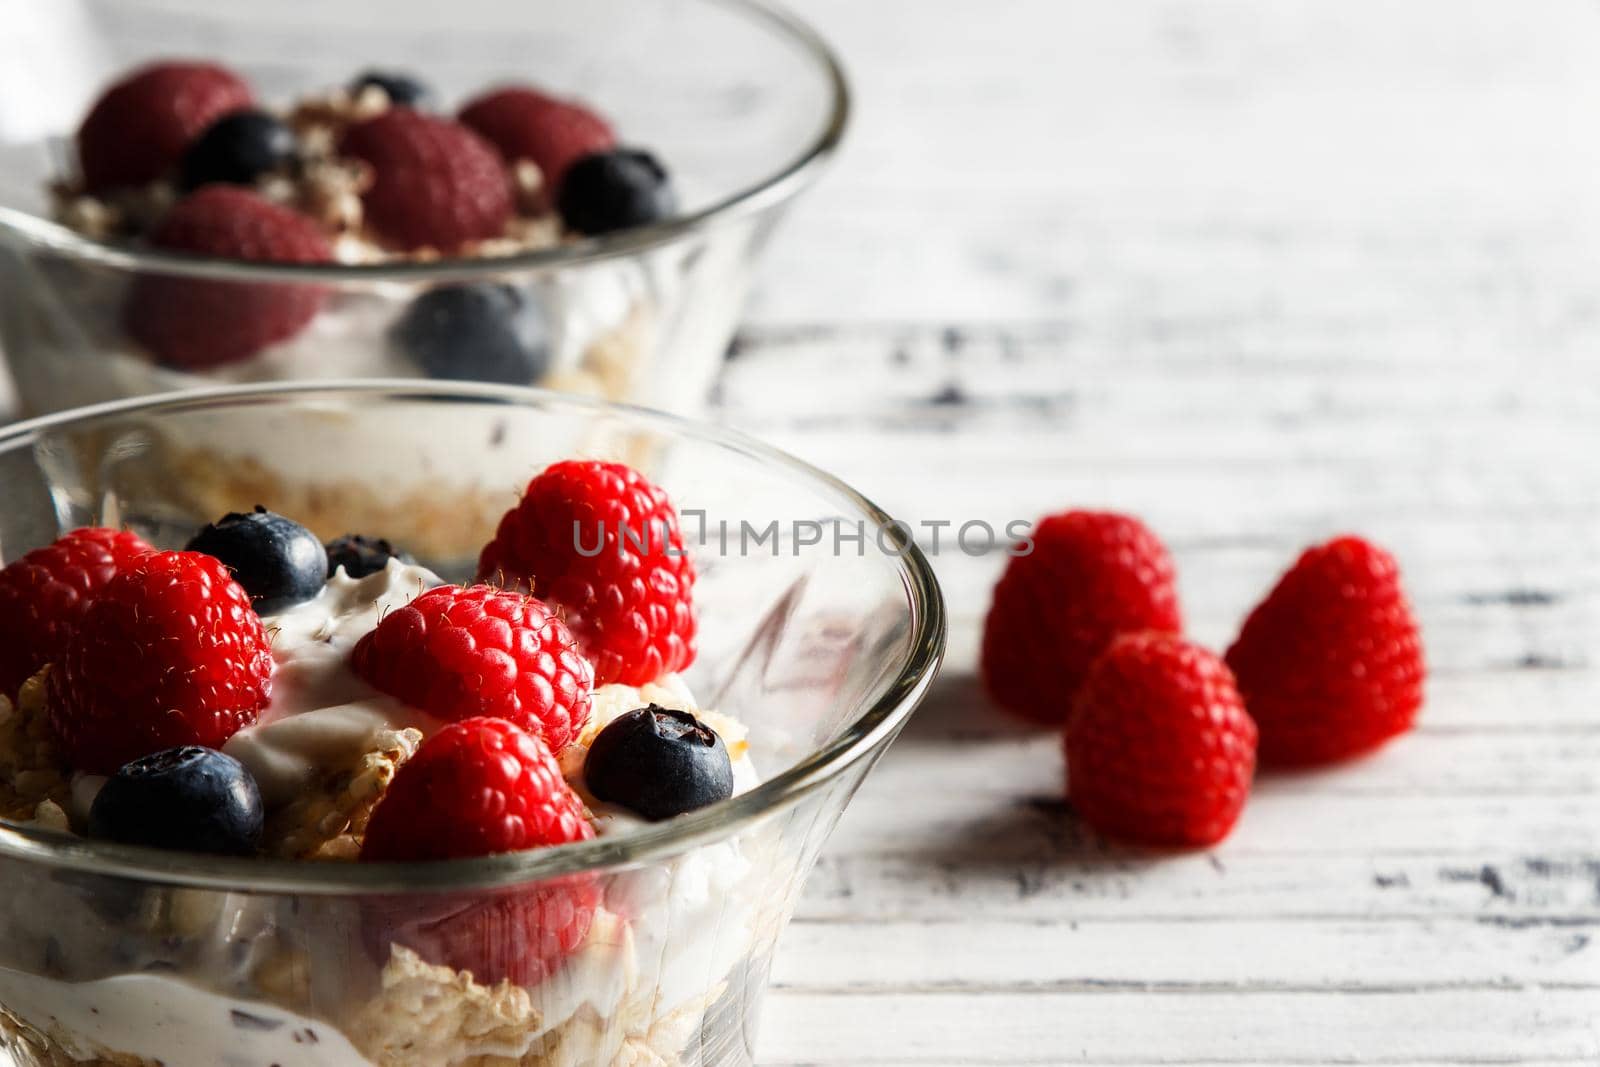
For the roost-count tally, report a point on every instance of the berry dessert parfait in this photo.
(271, 796)
(577, 206)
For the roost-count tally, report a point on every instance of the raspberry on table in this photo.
(138, 129)
(195, 323)
(524, 123)
(1160, 750)
(44, 594)
(459, 653)
(480, 787)
(170, 653)
(1091, 576)
(436, 183)
(601, 542)
(1331, 662)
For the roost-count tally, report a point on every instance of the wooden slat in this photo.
(1492, 886)
(1433, 1027)
(980, 953)
(1444, 764)
(1030, 823)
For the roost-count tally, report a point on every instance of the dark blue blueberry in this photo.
(658, 762)
(189, 799)
(361, 556)
(403, 89)
(476, 333)
(238, 149)
(615, 190)
(279, 562)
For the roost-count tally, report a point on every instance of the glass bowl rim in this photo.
(783, 184)
(867, 733)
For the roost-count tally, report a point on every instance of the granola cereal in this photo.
(431, 1014)
(58, 1049)
(327, 823)
(34, 781)
(425, 1013)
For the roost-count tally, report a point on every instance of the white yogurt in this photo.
(322, 713)
(168, 1020)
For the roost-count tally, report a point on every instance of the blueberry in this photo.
(476, 333)
(402, 89)
(614, 190)
(658, 762)
(278, 561)
(361, 556)
(190, 799)
(238, 149)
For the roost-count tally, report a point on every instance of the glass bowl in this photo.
(743, 102)
(820, 632)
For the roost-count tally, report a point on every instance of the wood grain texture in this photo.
(1258, 272)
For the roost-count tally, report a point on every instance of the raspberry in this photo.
(137, 131)
(527, 124)
(196, 324)
(1330, 663)
(1160, 750)
(1091, 575)
(436, 184)
(603, 544)
(46, 592)
(476, 788)
(519, 936)
(458, 653)
(170, 653)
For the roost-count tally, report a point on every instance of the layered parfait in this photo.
(182, 157)
(262, 694)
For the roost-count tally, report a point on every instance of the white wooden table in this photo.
(1259, 272)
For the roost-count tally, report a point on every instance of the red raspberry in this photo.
(1091, 575)
(603, 544)
(436, 184)
(458, 653)
(196, 324)
(170, 653)
(527, 124)
(476, 788)
(1160, 750)
(1330, 664)
(46, 592)
(138, 129)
